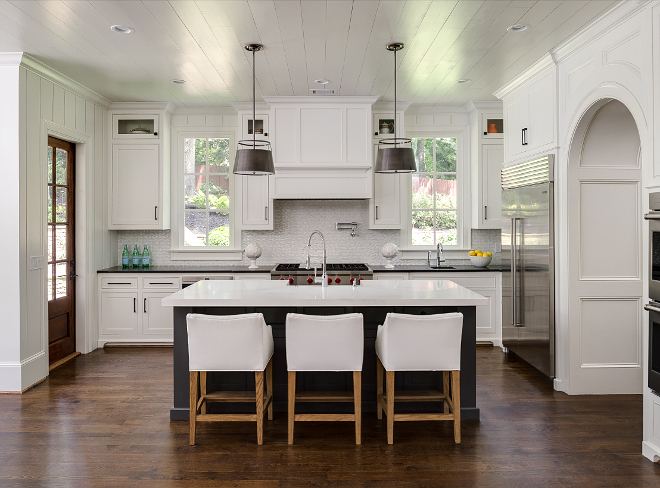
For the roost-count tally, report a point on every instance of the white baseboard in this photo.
(650, 451)
(17, 377)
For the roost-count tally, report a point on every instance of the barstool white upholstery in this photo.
(420, 343)
(229, 343)
(325, 343)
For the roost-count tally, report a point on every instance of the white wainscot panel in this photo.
(610, 332)
(575, 77)
(609, 230)
(626, 52)
(321, 135)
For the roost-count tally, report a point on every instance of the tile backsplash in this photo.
(294, 221)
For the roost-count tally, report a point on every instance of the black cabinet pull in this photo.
(524, 136)
(156, 212)
(117, 283)
(145, 305)
(161, 283)
(134, 305)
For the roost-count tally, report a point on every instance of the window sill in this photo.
(206, 254)
(423, 253)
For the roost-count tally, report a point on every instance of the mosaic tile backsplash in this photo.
(294, 221)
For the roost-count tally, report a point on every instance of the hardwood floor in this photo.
(102, 419)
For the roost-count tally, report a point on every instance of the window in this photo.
(435, 193)
(206, 192)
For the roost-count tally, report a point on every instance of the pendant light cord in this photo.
(254, 110)
(394, 122)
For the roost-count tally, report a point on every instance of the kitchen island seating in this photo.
(229, 343)
(419, 343)
(325, 343)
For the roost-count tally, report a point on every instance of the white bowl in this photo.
(481, 261)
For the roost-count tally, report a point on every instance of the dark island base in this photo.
(373, 317)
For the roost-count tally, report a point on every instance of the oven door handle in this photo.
(651, 308)
(652, 216)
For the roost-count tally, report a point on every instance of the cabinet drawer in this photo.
(119, 282)
(469, 282)
(161, 282)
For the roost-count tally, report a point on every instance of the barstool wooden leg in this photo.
(259, 389)
(357, 402)
(456, 400)
(292, 403)
(202, 390)
(194, 375)
(379, 387)
(269, 387)
(389, 379)
(445, 390)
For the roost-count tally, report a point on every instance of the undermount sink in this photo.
(441, 267)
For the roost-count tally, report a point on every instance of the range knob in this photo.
(282, 278)
(329, 280)
(360, 278)
(310, 280)
(352, 280)
(291, 281)
(337, 280)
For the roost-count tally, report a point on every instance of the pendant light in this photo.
(254, 157)
(395, 155)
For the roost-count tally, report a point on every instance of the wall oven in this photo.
(653, 307)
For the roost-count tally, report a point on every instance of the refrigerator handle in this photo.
(513, 272)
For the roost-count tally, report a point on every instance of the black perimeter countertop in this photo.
(267, 268)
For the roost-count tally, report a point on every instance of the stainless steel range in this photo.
(337, 274)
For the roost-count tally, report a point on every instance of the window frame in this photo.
(463, 210)
(202, 253)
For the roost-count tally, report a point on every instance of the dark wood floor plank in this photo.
(102, 419)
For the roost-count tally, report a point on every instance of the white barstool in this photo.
(325, 343)
(420, 343)
(229, 343)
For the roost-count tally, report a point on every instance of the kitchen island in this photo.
(374, 299)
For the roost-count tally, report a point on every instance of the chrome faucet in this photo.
(440, 256)
(324, 278)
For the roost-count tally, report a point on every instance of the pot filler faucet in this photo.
(323, 278)
(440, 256)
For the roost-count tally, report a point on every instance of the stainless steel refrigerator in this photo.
(528, 323)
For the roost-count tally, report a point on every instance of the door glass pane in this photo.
(50, 243)
(50, 164)
(200, 155)
(50, 204)
(60, 242)
(218, 155)
(189, 155)
(60, 280)
(194, 191)
(445, 154)
(422, 191)
(60, 205)
(50, 281)
(445, 192)
(195, 228)
(423, 150)
(60, 166)
(218, 229)
(446, 224)
(218, 191)
(422, 231)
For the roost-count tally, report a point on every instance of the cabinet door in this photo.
(256, 207)
(386, 203)
(156, 319)
(135, 186)
(119, 313)
(486, 316)
(517, 119)
(134, 126)
(492, 159)
(261, 124)
(541, 115)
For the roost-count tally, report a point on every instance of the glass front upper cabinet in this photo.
(492, 126)
(135, 126)
(383, 125)
(260, 123)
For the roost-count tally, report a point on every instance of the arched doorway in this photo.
(605, 252)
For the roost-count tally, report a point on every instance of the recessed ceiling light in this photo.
(179, 82)
(122, 29)
(464, 80)
(322, 81)
(518, 27)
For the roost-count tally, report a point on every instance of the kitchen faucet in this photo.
(440, 256)
(324, 278)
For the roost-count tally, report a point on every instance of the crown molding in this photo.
(541, 66)
(484, 106)
(322, 99)
(8, 60)
(390, 106)
(151, 106)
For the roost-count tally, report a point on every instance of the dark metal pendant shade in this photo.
(395, 155)
(254, 157)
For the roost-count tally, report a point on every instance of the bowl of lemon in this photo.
(480, 259)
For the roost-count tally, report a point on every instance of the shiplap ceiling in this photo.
(342, 41)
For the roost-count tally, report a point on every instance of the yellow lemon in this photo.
(472, 253)
(477, 251)
(490, 254)
(480, 255)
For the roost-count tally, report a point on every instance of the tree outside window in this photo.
(206, 192)
(434, 192)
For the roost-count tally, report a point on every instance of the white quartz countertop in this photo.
(278, 293)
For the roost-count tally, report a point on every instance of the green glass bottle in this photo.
(136, 257)
(145, 257)
(124, 257)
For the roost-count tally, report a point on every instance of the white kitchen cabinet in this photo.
(256, 205)
(487, 158)
(382, 124)
(485, 283)
(156, 319)
(530, 116)
(119, 315)
(139, 193)
(260, 122)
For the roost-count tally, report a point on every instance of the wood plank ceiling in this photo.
(342, 41)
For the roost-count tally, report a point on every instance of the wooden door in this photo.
(61, 251)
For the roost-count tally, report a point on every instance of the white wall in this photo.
(38, 102)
